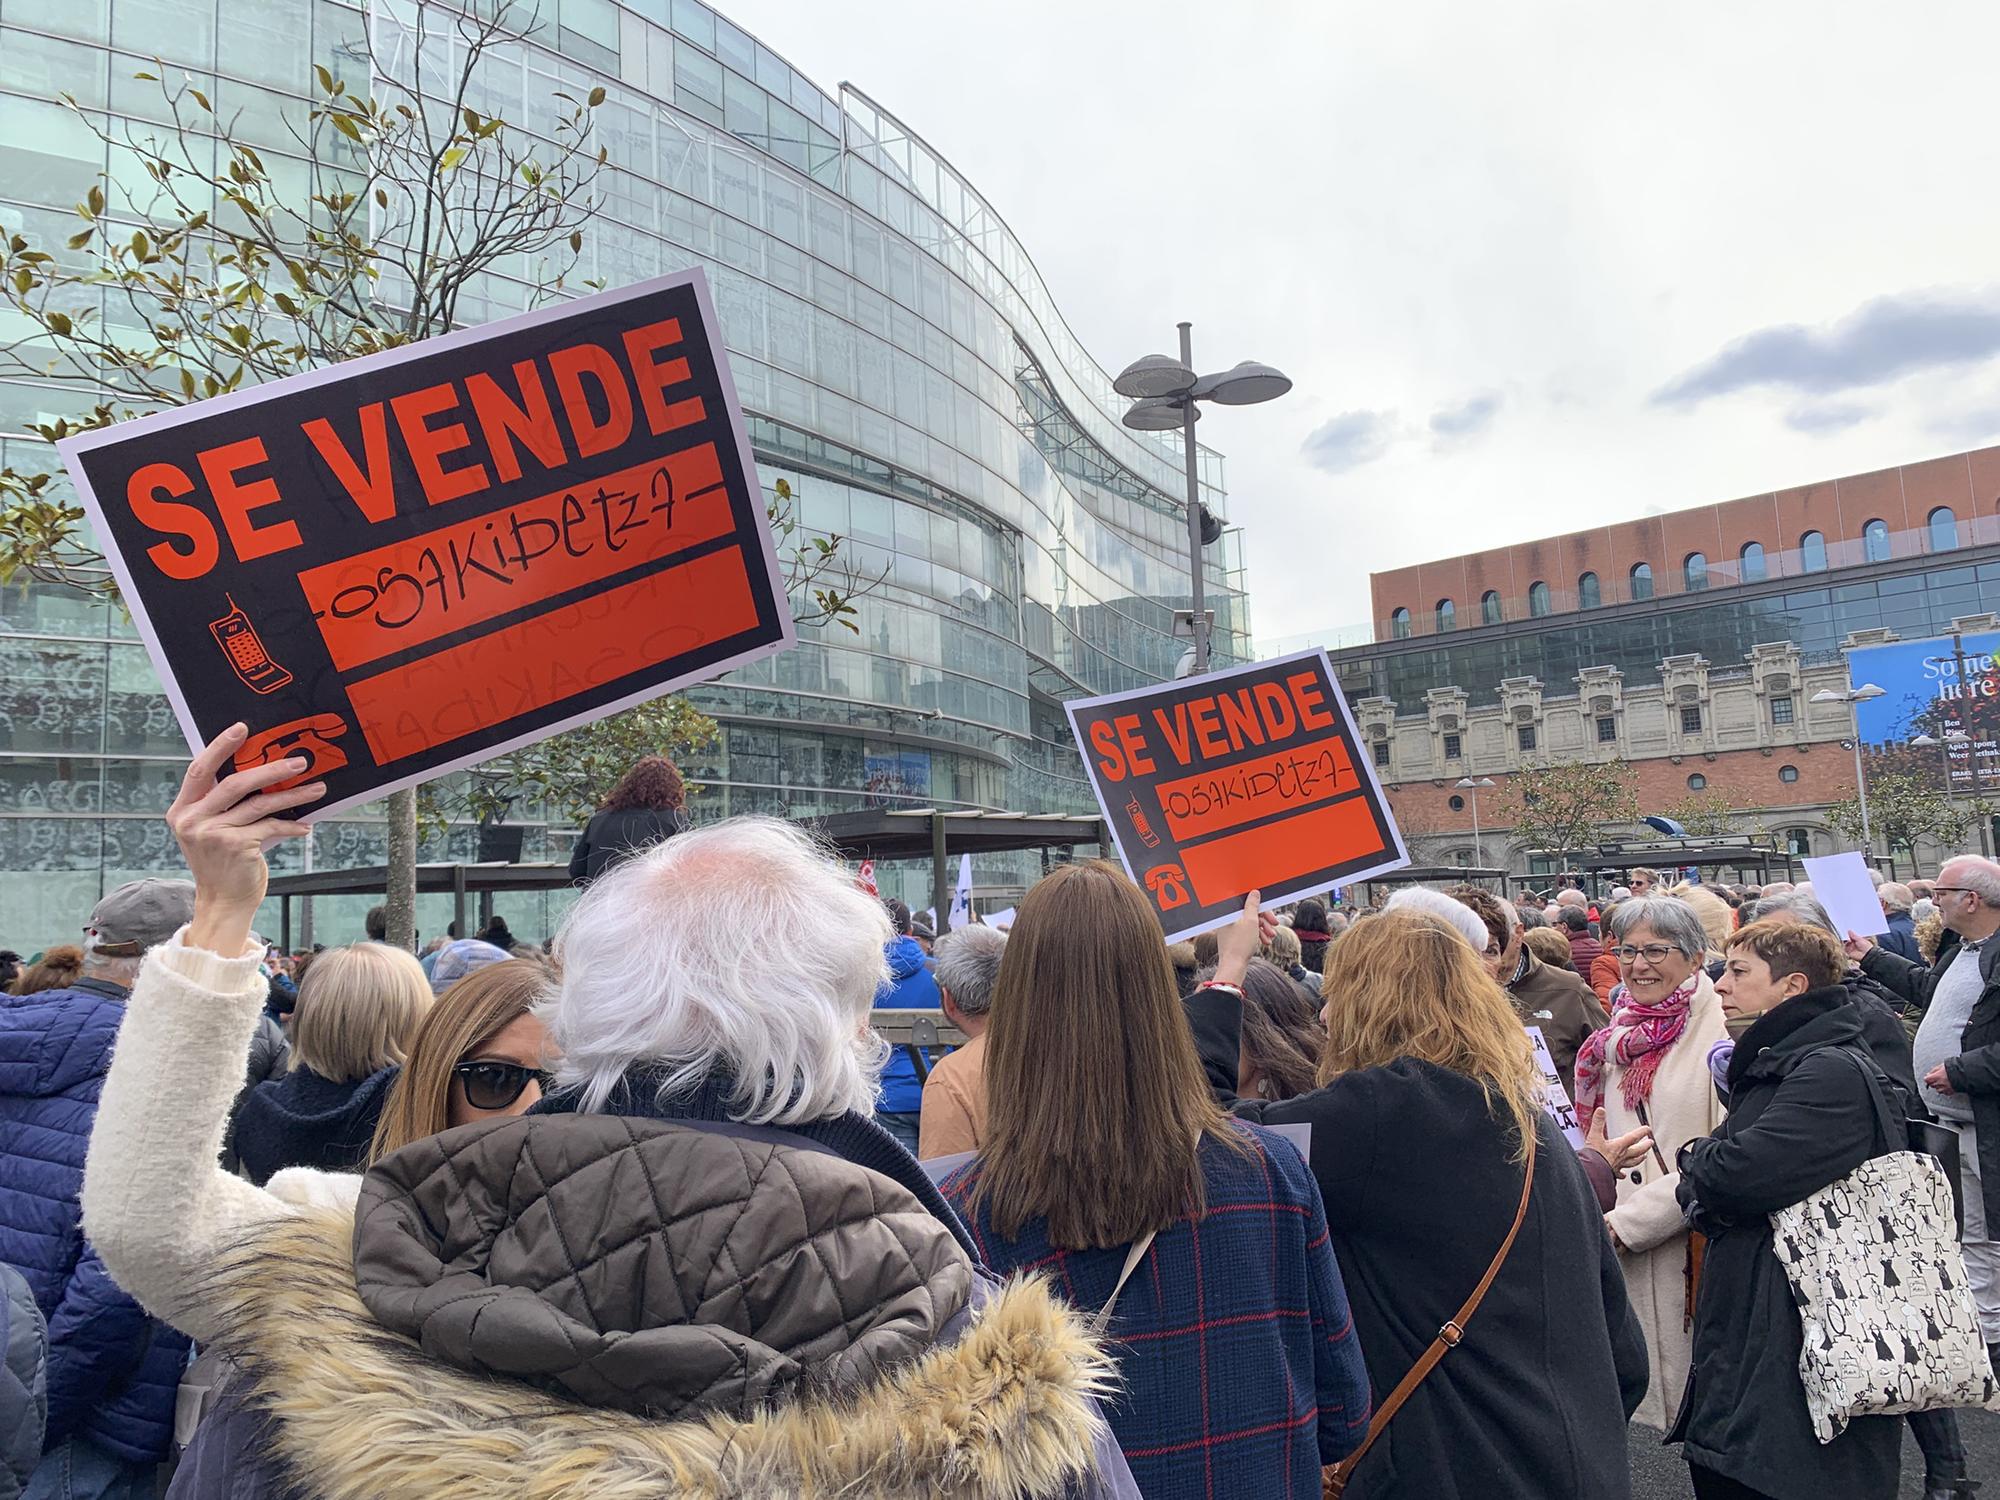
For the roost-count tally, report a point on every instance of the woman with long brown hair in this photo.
(479, 1053)
(1282, 1035)
(648, 804)
(1109, 1168)
(1425, 1127)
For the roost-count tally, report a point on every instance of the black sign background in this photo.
(185, 621)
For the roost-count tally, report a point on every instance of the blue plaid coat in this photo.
(1237, 1353)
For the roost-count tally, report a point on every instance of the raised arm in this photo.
(156, 1205)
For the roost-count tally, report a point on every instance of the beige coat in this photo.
(1647, 1218)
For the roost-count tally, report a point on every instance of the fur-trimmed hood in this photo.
(359, 1413)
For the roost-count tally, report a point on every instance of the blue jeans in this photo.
(901, 1124)
(77, 1469)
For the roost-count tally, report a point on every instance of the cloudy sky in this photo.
(1532, 266)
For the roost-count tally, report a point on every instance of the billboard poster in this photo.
(411, 562)
(1251, 778)
(1941, 687)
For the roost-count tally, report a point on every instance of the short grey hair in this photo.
(1669, 916)
(1799, 904)
(118, 968)
(741, 950)
(1528, 917)
(1895, 896)
(1980, 876)
(968, 964)
(1461, 918)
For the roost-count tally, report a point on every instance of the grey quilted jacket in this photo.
(23, 1383)
(631, 1309)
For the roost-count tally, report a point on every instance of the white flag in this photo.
(961, 899)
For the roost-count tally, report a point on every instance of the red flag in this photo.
(866, 880)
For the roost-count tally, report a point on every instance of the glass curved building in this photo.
(904, 367)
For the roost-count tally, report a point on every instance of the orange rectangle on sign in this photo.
(1266, 858)
(1284, 782)
(411, 592)
(570, 650)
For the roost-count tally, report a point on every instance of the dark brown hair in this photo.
(57, 969)
(652, 782)
(1487, 908)
(1097, 1101)
(1281, 1031)
(1794, 948)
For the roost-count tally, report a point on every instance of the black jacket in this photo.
(270, 1056)
(304, 1120)
(610, 837)
(1800, 1116)
(1419, 1190)
(1975, 1072)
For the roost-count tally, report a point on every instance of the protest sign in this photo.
(413, 561)
(1841, 885)
(1247, 779)
(1555, 1098)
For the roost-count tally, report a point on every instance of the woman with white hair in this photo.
(1649, 1067)
(698, 1267)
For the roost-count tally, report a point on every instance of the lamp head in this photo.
(1154, 375)
(1159, 414)
(1245, 384)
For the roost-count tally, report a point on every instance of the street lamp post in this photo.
(1468, 784)
(1854, 697)
(1164, 392)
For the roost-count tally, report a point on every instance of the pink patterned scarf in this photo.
(1637, 1038)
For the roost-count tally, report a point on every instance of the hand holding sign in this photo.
(224, 824)
(1247, 779)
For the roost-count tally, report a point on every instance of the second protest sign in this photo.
(1242, 780)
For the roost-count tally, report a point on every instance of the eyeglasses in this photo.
(1946, 890)
(1653, 953)
(496, 1085)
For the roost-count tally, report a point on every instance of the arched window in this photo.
(1943, 525)
(1694, 572)
(1489, 608)
(1812, 552)
(1875, 541)
(1752, 560)
(1447, 616)
(1588, 594)
(1798, 842)
(1399, 625)
(1538, 598)
(1642, 580)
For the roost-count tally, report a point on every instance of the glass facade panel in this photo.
(1812, 552)
(1641, 580)
(904, 369)
(1750, 563)
(1942, 526)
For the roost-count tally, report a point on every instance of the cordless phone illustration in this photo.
(239, 642)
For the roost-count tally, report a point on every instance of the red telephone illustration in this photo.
(310, 737)
(1168, 883)
(239, 642)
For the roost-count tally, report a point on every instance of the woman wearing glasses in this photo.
(1649, 1067)
(480, 1053)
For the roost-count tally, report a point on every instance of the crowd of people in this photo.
(1283, 1210)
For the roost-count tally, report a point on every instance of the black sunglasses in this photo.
(495, 1085)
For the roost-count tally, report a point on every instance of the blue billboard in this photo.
(1942, 687)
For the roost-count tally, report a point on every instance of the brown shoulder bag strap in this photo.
(1335, 1478)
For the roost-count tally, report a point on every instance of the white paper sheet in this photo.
(1840, 883)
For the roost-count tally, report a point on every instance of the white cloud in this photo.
(1350, 440)
(1401, 205)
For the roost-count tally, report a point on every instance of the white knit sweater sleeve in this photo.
(156, 1205)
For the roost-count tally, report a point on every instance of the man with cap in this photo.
(112, 1371)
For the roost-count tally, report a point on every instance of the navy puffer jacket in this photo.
(113, 1371)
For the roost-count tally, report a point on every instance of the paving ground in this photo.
(1659, 1474)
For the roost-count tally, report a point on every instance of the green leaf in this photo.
(451, 158)
(149, 77)
(346, 126)
(576, 244)
(140, 245)
(59, 323)
(325, 78)
(24, 281)
(596, 96)
(95, 200)
(471, 119)
(187, 384)
(285, 304)
(78, 241)
(202, 99)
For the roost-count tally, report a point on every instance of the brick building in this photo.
(1688, 645)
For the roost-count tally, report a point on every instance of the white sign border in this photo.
(71, 448)
(1266, 898)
